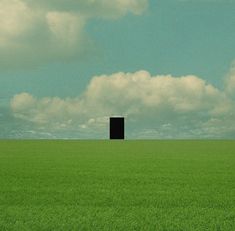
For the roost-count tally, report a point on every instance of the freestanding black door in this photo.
(116, 128)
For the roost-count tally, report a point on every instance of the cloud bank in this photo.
(33, 32)
(154, 106)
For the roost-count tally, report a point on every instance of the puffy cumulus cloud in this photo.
(155, 106)
(140, 91)
(44, 110)
(32, 32)
(16, 18)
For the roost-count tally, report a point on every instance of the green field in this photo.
(117, 185)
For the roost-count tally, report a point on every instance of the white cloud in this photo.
(32, 32)
(16, 17)
(134, 93)
(186, 105)
(65, 27)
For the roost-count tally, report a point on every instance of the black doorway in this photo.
(117, 128)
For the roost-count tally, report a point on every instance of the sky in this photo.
(167, 66)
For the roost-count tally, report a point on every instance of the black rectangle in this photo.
(116, 128)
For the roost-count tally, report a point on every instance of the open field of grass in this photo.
(117, 185)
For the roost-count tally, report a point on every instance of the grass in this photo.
(117, 185)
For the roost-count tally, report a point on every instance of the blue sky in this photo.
(167, 65)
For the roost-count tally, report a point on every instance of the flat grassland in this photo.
(117, 185)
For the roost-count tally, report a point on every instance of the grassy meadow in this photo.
(117, 185)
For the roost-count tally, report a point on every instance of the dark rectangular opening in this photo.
(117, 128)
